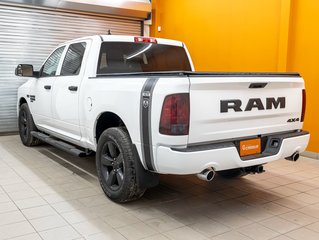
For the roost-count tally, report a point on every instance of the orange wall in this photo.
(303, 57)
(223, 35)
(248, 35)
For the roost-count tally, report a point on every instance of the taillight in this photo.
(144, 39)
(303, 110)
(175, 115)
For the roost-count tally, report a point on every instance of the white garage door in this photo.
(29, 35)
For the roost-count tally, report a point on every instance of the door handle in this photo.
(73, 88)
(47, 87)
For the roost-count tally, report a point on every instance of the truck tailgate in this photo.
(226, 107)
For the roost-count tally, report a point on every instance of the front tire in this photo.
(26, 126)
(115, 164)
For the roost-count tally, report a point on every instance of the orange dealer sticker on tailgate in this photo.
(249, 147)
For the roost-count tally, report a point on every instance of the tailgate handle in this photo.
(257, 85)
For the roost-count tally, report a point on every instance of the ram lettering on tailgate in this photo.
(236, 104)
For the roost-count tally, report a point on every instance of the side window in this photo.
(51, 65)
(73, 59)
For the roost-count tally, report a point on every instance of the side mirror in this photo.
(24, 70)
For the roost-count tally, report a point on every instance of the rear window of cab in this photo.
(128, 57)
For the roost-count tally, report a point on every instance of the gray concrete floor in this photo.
(48, 194)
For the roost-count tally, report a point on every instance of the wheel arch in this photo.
(107, 120)
(22, 100)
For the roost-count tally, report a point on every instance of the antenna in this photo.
(109, 32)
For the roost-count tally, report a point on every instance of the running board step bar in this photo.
(59, 144)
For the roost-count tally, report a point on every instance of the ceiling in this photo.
(127, 8)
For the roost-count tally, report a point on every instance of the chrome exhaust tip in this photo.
(294, 157)
(206, 175)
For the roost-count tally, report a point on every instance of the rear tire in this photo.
(232, 173)
(116, 166)
(26, 126)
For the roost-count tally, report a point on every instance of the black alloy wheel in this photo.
(117, 166)
(26, 126)
(112, 166)
(23, 125)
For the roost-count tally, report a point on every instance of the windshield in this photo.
(127, 57)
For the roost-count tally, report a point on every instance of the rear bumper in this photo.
(223, 156)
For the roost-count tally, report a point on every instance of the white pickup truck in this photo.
(138, 103)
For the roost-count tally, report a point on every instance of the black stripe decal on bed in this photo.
(145, 122)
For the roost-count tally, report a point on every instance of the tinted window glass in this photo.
(73, 59)
(125, 57)
(51, 65)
